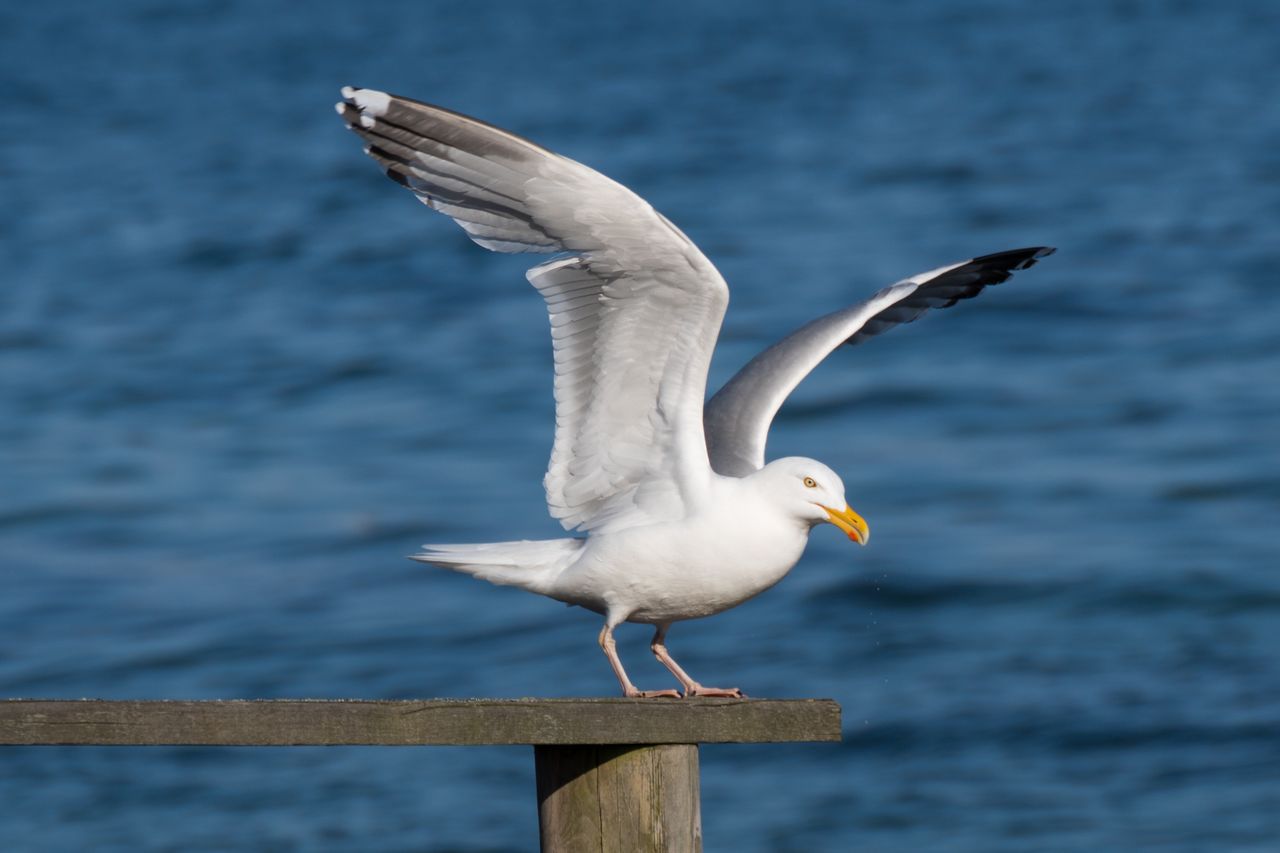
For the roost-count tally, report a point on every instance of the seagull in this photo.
(672, 510)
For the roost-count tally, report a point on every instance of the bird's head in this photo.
(814, 493)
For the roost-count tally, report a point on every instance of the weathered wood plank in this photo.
(619, 799)
(310, 722)
(568, 812)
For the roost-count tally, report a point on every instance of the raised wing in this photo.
(635, 309)
(738, 417)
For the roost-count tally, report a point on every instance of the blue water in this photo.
(242, 374)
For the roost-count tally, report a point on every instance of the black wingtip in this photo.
(1014, 259)
(968, 280)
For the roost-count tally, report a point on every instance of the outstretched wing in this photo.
(738, 416)
(635, 309)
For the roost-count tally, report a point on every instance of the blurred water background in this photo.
(242, 375)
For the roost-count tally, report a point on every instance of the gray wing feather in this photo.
(738, 417)
(634, 309)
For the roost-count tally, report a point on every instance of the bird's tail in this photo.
(530, 565)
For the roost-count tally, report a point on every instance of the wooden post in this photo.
(619, 798)
(612, 774)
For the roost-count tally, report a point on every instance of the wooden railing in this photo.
(612, 774)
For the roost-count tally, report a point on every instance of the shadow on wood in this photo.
(633, 798)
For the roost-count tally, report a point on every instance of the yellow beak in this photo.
(850, 522)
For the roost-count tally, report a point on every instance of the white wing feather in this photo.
(739, 415)
(634, 311)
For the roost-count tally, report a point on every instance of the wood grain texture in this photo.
(619, 799)
(307, 722)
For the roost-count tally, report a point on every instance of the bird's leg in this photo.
(628, 689)
(691, 687)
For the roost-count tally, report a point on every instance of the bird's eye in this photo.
(810, 483)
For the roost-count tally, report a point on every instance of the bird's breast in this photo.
(688, 569)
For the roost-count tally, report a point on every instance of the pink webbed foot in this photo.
(696, 689)
(651, 694)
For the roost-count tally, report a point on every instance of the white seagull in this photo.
(677, 514)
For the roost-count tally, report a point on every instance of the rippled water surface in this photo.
(242, 374)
